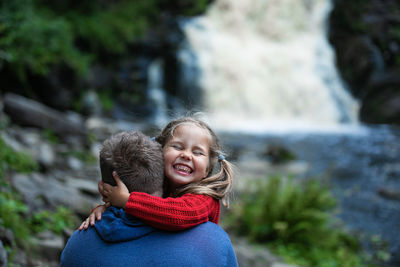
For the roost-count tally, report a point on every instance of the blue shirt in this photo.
(122, 240)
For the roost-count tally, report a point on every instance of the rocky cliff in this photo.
(366, 37)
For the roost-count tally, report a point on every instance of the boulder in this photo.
(3, 256)
(27, 112)
(42, 192)
(367, 44)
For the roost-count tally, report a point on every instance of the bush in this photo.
(33, 39)
(294, 220)
(36, 35)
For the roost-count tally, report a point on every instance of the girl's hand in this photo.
(95, 215)
(115, 195)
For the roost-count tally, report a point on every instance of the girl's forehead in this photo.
(190, 129)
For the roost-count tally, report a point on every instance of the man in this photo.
(119, 239)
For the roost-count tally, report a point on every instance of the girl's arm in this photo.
(173, 214)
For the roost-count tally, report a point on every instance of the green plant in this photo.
(33, 39)
(51, 136)
(56, 221)
(106, 100)
(114, 26)
(294, 218)
(14, 214)
(17, 161)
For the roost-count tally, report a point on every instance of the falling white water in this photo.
(156, 96)
(267, 64)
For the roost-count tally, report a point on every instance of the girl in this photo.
(191, 150)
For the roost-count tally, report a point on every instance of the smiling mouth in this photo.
(183, 168)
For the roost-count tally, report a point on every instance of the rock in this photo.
(255, 256)
(46, 155)
(84, 186)
(12, 142)
(381, 101)
(3, 256)
(67, 233)
(27, 112)
(6, 236)
(49, 245)
(40, 192)
(367, 45)
(30, 187)
(30, 142)
(389, 193)
(20, 258)
(74, 163)
(91, 104)
(104, 128)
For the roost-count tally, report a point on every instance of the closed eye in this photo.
(199, 153)
(176, 146)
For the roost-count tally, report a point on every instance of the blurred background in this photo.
(304, 95)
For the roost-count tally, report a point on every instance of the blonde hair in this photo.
(216, 185)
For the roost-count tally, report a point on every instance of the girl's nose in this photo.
(185, 155)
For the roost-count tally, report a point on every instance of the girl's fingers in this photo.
(92, 219)
(106, 187)
(81, 226)
(121, 187)
(84, 225)
(116, 178)
(100, 187)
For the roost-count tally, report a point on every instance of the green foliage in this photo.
(17, 161)
(293, 218)
(34, 39)
(106, 100)
(51, 136)
(56, 221)
(113, 28)
(39, 35)
(14, 214)
(193, 7)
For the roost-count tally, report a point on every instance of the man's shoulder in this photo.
(210, 230)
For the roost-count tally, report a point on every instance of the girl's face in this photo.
(186, 155)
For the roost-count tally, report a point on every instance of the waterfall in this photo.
(267, 64)
(156, 95)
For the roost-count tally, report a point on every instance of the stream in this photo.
(361, 165)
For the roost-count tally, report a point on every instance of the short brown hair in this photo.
(136, 158)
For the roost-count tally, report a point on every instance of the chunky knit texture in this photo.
(173, 214)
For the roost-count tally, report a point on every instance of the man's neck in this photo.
(157, 193)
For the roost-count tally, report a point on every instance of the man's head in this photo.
(136, 158)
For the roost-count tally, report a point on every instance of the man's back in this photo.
(131, 243)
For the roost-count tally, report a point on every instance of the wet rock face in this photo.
(365, 35)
